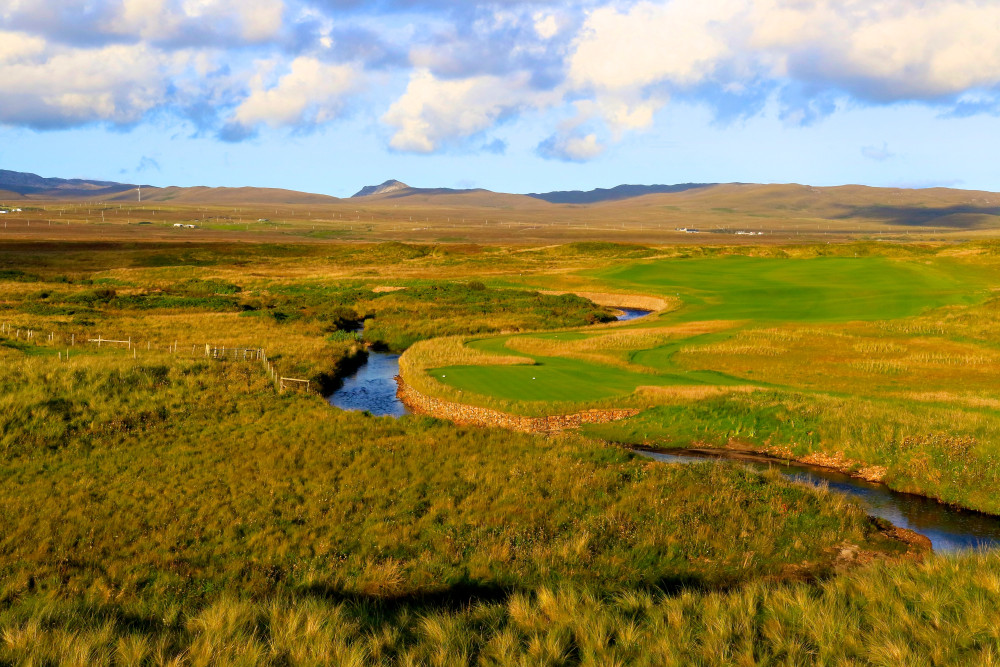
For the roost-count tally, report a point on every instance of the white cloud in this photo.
(117, 84)
(883, 50)
(571, 146)
(19, 48)
(310, 93)
(182, 22)
(474, 65)
(257, 20)
(891, 50)
(546, 25)
(435, 112)
(680, 41)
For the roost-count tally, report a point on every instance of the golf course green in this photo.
(821, 289)
(747, 291)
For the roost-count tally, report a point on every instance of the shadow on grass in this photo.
(956, 217)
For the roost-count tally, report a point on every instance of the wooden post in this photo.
(72, 339)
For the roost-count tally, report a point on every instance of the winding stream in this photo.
(373, 388)
(949, 528)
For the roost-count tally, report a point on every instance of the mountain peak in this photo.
(389, 186)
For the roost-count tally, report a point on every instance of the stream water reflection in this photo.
(948, 528)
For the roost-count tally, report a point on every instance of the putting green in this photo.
(753, 290)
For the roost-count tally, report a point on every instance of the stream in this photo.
(949, 528)
(373, 388)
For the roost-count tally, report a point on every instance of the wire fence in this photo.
(217, 352)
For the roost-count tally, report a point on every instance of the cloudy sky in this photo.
(514, 95)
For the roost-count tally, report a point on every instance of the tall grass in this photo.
(941, 612)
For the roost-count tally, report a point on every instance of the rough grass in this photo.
(168, 509)
(866, 386)
(942, 612)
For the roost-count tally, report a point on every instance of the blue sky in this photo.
(330, 95)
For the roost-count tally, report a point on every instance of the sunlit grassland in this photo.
(943, 611)
(200, 517)
(161, 507)
(908, 384)
(729, 293)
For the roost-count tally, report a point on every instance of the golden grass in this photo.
(639, 301)
(659, 395)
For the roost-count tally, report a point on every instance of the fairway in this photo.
(822, 289)
(747, 291)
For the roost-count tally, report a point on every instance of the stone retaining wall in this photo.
(473, 415)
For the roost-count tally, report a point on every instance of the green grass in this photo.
(560, 378)
(821, 289)
(750, 289)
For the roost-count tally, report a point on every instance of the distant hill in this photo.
(26, 184)
(721, 208)
(393, 190)
(388, 187)
(18, 184)
(613, 194)
(225, 196)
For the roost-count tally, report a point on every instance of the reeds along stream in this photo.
(949, 528)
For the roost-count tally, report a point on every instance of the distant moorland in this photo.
(690, 213)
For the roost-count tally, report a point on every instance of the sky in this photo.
(511, 95)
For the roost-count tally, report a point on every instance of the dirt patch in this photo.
(836, 461)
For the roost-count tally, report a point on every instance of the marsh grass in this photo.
(167, 509)
(943, 611)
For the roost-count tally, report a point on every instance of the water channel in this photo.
(948, 528)
(373, 388)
